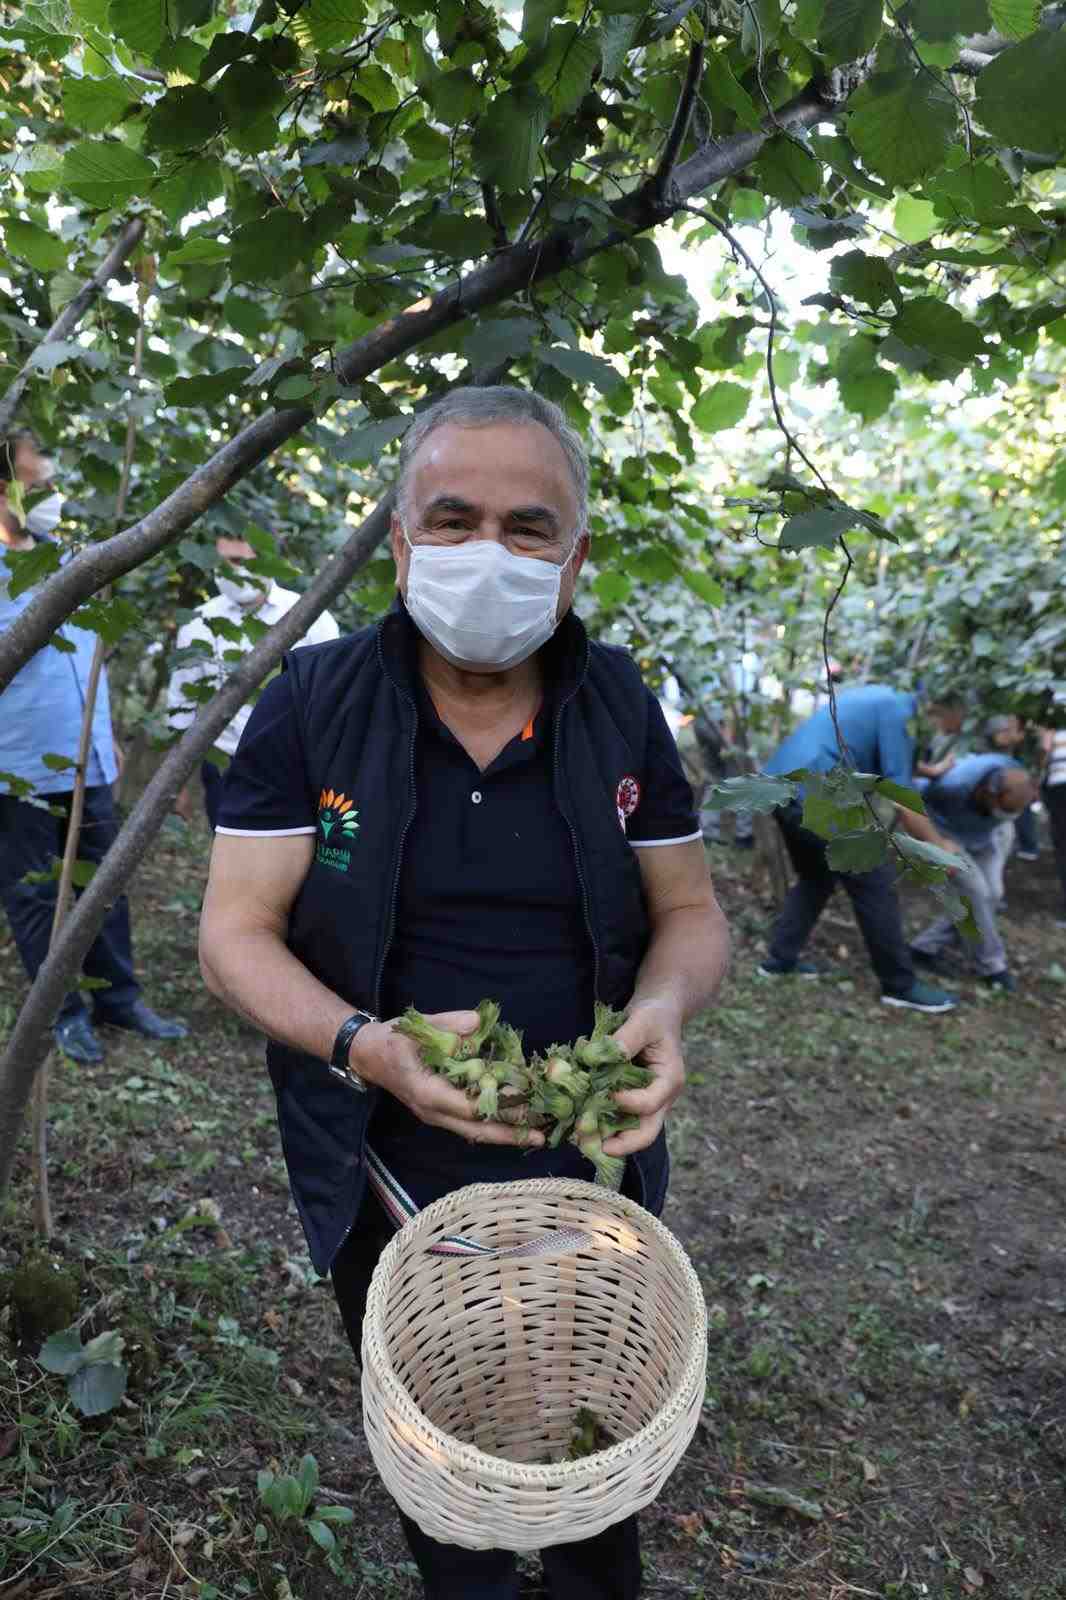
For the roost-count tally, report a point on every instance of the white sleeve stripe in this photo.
(650, 844)
(263, 833)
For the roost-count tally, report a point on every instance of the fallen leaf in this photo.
(967, 1401)
(973, 1578)
(272, 1320)
(689, 1522)
(7, 1441)
(870, 1473)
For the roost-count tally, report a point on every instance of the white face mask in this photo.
(242, 594)
(479, 605)
(45, 515)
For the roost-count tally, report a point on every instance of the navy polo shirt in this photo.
(489, 900)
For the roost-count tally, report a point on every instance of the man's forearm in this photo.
(256, 975)
(921, 827)
(686, 960)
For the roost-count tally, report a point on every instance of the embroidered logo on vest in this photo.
(337, 817)
(627, 799)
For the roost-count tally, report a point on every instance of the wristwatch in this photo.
(339, 1063)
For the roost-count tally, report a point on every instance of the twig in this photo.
(492, 216)
(72, 313)
(923, 66)
(679, 127)
(845, 753)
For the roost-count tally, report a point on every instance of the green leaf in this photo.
(934, 326)
(44, 251)
(860, 851)
(508, 138)
(491, 341)
(368, 442)
(139, 23)
(250, 94)
(308, 1478)
(94, 104)
(868, 393)
(573, 56)
(271, 246)
(28, 567)
(184, 119)
(702, 584)
(581, 367)
(53, 353)
(760, 792)
(376, 87)
(339, 1515)
(56, 763)
(191, 187)
(617, 35)
(902, 124)
(1015, 18)
(721, 406)
(850, 29)
(946, 19)
(105, 1347)
(63, 1352)
(328, 25)
(915, 220)
(537, 18)
(613, 588)
(321, 1534)
(817, 528)
(454, 97)
(1020, 97)
(723, 86)
(111, 619)
(867, 279)
(197, 251)
(901, 796)
(205, 390)
(97, 1388)
(449, 234)
(788, 172)
(931, 854)
(105, 173)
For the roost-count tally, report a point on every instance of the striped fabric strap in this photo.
(399, 1208)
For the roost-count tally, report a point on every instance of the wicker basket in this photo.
(474, 1368)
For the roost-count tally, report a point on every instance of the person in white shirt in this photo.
(238, 598)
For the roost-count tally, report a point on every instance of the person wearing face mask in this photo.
(40, 717)
(969, 805)
(468, 799)
(206, 655)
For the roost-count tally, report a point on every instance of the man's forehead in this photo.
(497, 457)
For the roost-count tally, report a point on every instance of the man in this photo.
(215, 626)
(1007, 735)
(40, 716)
(946, 744)
(1053, 749)
(468, 799)
(969, 804)
(875, 726)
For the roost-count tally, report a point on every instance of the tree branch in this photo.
(493, 218)
(72, 314)
(508, 272)
(682, 116)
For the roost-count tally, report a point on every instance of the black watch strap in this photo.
(342, 1044)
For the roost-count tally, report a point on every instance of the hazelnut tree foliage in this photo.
(340, 208)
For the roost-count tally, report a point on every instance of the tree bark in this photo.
(72, 314)
(30, 1038)
(508, 272)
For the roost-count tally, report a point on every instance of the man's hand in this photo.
(652, 1034)
(390, 1061)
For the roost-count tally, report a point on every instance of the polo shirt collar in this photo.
(564, 657)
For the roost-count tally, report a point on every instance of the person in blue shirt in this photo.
(876, 726)
(40, 716)
(969, 805)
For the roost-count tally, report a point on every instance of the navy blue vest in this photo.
(356, 702)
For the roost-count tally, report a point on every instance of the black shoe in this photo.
(140, 1018)
(1000, 980)
(76, 1039)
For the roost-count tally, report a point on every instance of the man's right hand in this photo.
(389, 1060)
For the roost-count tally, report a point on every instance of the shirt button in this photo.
(476, 797)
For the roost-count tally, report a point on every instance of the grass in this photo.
(874, 1203)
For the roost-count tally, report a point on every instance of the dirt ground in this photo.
(875, 1202)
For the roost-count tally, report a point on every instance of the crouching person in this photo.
(468, 799)
(969, 805)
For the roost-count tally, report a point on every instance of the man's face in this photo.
(1008, 736)
(235, 551)
(509, 482)
(32, 466)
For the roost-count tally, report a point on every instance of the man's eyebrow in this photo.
(450, 502)
(534, 514)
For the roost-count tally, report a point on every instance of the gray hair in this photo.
(480, 408)
(999, 724)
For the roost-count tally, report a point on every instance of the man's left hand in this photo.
(651, 1034)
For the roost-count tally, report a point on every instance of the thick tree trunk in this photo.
(506, 274)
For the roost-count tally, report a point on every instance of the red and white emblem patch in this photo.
(627, 799)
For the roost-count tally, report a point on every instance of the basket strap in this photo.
(400, 1208)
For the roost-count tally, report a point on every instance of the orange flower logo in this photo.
(335, 811)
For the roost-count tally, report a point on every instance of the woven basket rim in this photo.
(469, 1458)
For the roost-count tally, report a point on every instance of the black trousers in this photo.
(872, 894)
(1054, 798)
(30, 840)
(604, 1568)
